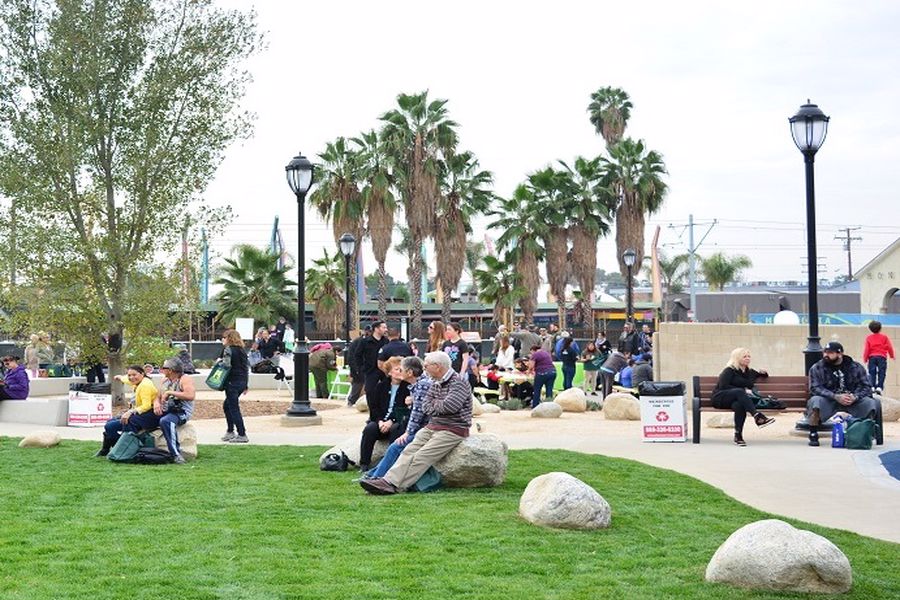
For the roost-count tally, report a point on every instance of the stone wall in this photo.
(683, 350)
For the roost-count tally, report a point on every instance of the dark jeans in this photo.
(114, 428)
(356, 388)
(877, 371)
(568, 372)
(737, 400)
(543, 380)
(95, 374)
(371, 434)
(232, 408)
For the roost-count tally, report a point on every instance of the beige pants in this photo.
(428, 447)
(590, 382)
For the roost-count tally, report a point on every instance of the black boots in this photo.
(107, 446)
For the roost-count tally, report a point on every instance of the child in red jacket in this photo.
(876, 352)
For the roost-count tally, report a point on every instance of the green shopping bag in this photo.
(217, 376)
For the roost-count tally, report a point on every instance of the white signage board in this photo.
(89, 410)
(663, 419)
(245, 328)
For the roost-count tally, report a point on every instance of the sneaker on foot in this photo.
(739, 440)
(179, 460)
(763, 421)
(229, 435)
(239, 439)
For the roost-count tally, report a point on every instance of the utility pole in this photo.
(692, 259)
(847, 241)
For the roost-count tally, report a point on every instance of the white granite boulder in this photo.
(477, 408)
(40, 439)
(721, 421)
(187, 440)
(572, 400)
(362, 405)
(350, 447)
(480, 460)
(619, 406)
(490, 408)
(773, 555)
(562, 501)
(890, 409)
(547, 410)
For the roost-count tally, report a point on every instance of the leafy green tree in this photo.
(254, 287)
(673, 271)
(417, 134)
(633, 176)
(113, 115)
(325, 286)
(498, 285)
(464, 193)
(609, 110)
(719, 270)
(521, 239)
(475, 253)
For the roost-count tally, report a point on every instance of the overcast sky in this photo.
(712, 84)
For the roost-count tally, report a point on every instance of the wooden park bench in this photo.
(793, 391)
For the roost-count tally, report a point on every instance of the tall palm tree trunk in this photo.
(416, 268)
(382, 291)
(629, 234)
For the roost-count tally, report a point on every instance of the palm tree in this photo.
(521, 239)
(254, 287)
(380, 204)
(475, 253)
(633, 176)
(338, 199)
(720, 270)
(464, 193)
(554, 200)
(672, 271)
(416, 134)
(324, 287)
(588, 222)
(499, 285)
(609, 111)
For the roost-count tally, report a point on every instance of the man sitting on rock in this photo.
(448, 404)
(837, 383)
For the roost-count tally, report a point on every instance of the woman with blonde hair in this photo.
(436, 337)
(734, 390)
(32, 362)
(388, 411)
(235, 358)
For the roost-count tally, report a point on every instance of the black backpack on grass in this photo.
(152, 456)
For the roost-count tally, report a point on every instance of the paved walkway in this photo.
(776, 472)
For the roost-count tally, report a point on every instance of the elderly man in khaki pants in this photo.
(449, 405)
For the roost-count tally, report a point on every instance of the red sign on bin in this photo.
(663, 431)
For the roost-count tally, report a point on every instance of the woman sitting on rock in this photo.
(734, 391)
(388, 412)
(138, 418)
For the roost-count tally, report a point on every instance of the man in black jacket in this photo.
(351, 359)
(837, 384)
(367, 359)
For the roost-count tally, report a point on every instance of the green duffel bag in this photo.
(127, 447)
(860, 433)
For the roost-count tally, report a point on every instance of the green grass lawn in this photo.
(264, 522)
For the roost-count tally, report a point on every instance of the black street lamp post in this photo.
(348, 247)
(809, 128)
(628, 257)
(299, 177)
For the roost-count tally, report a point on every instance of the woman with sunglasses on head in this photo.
(14, 385)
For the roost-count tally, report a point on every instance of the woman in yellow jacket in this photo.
(138, 418)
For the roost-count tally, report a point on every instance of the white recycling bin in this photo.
(663, 415)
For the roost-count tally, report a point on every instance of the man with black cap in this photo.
(837, 384)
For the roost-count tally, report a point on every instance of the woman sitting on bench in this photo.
(734, 391)
(14, 385)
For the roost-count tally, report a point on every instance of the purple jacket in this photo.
(16, 383)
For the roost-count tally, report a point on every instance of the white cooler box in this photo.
(89, 410)
(663, 417)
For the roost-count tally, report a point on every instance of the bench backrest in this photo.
(792, 390)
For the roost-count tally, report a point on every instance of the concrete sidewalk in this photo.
(776, 472)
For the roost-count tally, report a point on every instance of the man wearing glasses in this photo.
(14, 385)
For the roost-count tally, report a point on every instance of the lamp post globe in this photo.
(628, 257)
(299, 174)
(809, 128)
(347, 244)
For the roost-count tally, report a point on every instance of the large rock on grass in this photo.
(775, 556)
(621, 407)
(350, 447)
(187, 440)
(478, 461)
(572, 400)
(547, 410)
(562, 501)
(40, 439)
